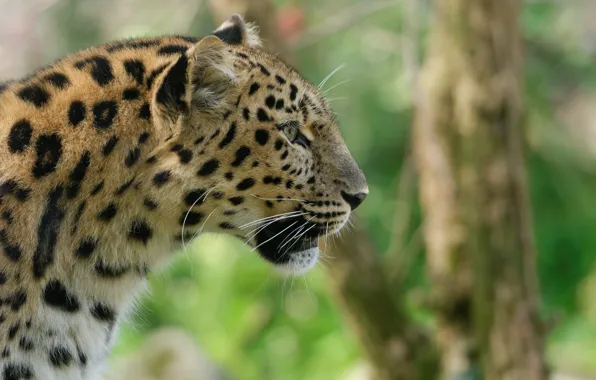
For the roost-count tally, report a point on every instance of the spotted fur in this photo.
(116, 156)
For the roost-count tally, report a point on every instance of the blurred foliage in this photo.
(256, 325)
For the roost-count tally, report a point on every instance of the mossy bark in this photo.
(468, 143)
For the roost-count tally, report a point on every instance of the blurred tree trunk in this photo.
(397, 348)
(468, 143)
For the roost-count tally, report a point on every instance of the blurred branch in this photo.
(398, 348)
(342, 20)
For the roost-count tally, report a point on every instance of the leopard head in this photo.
(268, 164)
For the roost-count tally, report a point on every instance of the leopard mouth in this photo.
(290, 241)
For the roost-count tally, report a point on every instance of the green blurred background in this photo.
(220, 302)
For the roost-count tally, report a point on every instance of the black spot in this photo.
(194, 197)
(12, 187)
(176, 148)
(7, 216)
(49, 151)
(78, 174)
(208, 168)
(125, 186)
(245, 184)
(145, 112)
(236, 200)
(151, 160)
(141, 231)
(286, 167)
(103, 312)
(101, 69)
(135, 69)
(199, 140)
(280, 80)
(47, 232)
(132, 157)
(242, 55)
(133, 44)
(241, 154)
(26, 344)
(229, 176)
(77, 216)
(35, 95)
(58, 80)
(82, 357)
(17, 300)
(105, 270)
(104, 113)
(60, 356)
(150, 204)
(279, 104)
(97, 188)
(262, 115)
(262, 136)
(154, 74)
(108, 213)
(173, 88)
(110, 145)
(161, 178)
(246, 114)
(19, 137)
(5, 352)
(15, 371)
(11, 251)
(13, 330)
(270, 101)
(226, 226)
(253, 88)
(264, 70)
(289, 184)
(190, 218)
(76, 112)
(86, 248)
(293, 92)
(311, 180)
(131, 94)
(185, 156)
(143, 137)
(285, 155)
(172, 49)
(56, 295)
(279, 144)
(229, 136)
(3, 278)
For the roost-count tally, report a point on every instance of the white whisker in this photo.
(204, 197)
(274, 236)
(330, 75)
(279, 199)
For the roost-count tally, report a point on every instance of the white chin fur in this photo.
(300, 262)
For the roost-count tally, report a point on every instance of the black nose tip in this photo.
(354, 200)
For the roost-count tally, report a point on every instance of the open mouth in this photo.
(283, 239)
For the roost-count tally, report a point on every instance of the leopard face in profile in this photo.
(116, 156)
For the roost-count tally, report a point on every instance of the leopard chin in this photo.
(291, 245)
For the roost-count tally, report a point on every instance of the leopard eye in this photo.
(292, 131)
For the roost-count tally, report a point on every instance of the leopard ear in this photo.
(235, 31)
(202, 78)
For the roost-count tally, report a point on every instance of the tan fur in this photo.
(72, 344)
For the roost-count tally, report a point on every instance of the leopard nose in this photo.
(354, 200)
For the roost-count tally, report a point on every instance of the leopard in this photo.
(115, 157)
